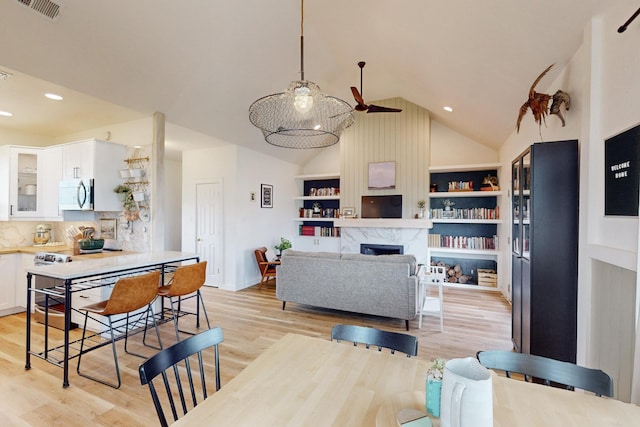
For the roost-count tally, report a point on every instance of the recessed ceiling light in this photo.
(5, 113)
(53, 96)
(447, 108)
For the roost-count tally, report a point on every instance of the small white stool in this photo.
(429, 276)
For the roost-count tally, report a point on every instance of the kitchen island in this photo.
(60, 281)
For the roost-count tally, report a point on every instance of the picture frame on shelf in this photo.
(109, 228)
(348, 212)
(266, 191)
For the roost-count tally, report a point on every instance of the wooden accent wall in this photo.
(380, 137)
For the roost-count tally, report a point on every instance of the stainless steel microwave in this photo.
(76, 195)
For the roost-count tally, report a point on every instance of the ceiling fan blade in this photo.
(356, 95)
(379, 109)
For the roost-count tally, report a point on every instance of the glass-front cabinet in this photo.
(21, 176)
(521, 205)
(27, 185)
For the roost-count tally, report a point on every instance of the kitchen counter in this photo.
(67, 250)
(96, 270)
(106, 262)
(33, 249)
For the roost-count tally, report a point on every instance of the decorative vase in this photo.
(434, 389)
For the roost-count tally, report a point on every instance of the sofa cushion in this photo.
(326, 255)
(397, 259)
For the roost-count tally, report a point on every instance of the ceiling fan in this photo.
(368, 108)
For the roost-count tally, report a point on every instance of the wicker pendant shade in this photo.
(301, 116)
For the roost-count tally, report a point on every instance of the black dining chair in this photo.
(393, 341)
(168, 364)
(549, 370)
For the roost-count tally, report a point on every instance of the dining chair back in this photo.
(173, 364)
(549, 370)
(129, 294)
(393, 341)
(185, 284)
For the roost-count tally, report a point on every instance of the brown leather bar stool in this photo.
(129, 294)
(185, 284)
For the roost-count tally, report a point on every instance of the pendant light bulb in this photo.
(303, 100)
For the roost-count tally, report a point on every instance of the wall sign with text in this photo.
(622, 173)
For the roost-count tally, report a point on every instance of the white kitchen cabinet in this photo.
(100, 161)
(7, 285)
(50, 187)
(31, 176)
(19, 173)
(23, 261)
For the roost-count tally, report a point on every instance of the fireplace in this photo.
(371, 249)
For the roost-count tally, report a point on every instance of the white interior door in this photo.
(209, 229)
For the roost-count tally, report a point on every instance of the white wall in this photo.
(449, 147)
(247, 226)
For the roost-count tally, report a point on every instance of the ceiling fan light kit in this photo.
(301, 116)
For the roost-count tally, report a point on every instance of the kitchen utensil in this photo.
(467, 394)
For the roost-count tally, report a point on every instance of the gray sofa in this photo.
(383, 285)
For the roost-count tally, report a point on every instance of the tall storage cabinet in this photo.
(544, 247)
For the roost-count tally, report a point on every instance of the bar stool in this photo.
(129, 294)
(187, 280)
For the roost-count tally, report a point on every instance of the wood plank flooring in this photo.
(251, 320)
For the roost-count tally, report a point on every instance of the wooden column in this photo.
(158, 183)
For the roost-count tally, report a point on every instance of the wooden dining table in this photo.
(306, 381)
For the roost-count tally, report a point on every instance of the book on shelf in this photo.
(318, 231)
(463, 242)
(470, 213)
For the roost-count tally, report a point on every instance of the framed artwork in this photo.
(109, 228)
(267, 196)
(622, 173)
(348, 212)
(382, 175)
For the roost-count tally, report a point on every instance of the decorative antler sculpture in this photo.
(539, 103)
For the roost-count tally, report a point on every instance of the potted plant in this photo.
(421, 206)
(434, 386)
(128, 203)
(283, 245)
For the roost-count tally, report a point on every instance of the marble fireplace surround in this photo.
(411, 234)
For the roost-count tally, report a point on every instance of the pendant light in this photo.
(301, 116)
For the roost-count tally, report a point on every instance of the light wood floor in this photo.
(252, 320)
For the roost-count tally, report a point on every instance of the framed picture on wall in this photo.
(382, 175)
(109, 228)
(267, 195)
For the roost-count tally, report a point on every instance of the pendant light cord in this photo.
(302, 40)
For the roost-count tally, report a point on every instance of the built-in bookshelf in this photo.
(466, 214)
(318, 206)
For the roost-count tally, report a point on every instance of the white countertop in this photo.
(91, 267)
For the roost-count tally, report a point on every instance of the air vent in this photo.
(45, 8)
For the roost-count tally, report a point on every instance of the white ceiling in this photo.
(202, 63)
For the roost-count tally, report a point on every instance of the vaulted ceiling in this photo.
(202, 63)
